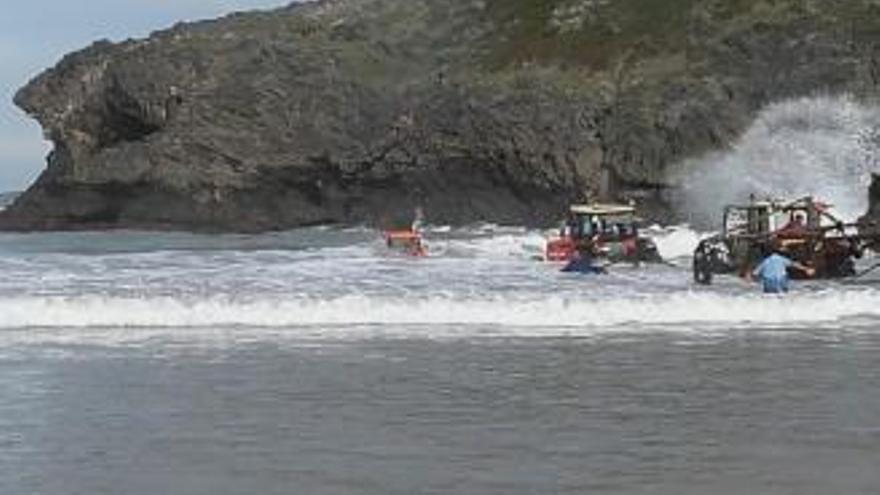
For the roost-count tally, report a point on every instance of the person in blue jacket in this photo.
(582, 262)
(773, 271)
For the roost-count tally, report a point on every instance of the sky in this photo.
(35, 34)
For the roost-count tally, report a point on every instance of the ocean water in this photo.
(316, 362)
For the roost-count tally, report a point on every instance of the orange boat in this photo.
(407, 241)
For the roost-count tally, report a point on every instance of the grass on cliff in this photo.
(587, 32)
(597, 33)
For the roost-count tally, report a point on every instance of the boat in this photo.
(609, 232)
(406, 241)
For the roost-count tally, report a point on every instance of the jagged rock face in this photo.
(869, 224)
(358, 110)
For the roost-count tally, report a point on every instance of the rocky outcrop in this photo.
(358, 110)
(869, 224)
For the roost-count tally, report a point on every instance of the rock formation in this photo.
(349, 111)
(869, 224)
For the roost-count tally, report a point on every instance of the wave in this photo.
(675, 242)
(525, 245)
(672, 242)
(825, 146)
(511, 313)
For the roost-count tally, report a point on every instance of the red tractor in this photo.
(605, 231)
(805, 229)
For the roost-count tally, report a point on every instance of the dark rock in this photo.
(358, 110)
(869, 224)
(7, 198)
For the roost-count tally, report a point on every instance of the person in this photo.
(582, 262)
(416, 248)
(418, 220)
(795, 226)
(773, 271)
(569, 226)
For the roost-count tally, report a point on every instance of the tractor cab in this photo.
(786, 219)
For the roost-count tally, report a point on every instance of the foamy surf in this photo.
(570, 314)
(677, 241)
(332, 283)
(493, 241)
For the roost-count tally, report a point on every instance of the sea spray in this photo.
(822, 146)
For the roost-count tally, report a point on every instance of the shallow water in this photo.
(315, 362)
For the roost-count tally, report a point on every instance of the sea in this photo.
(315, 361)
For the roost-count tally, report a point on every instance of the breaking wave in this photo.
(340, 284)
(684, 311)
(675, 242)
(519, 243)
(823, 146)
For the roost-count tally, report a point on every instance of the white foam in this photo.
(825, 146)
(675, 242)
(686, 310)
(672, 242)
(522, 245)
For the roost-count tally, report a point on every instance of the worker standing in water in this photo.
(773, 270)
(418, 220)
(583, 260)
(416, 247)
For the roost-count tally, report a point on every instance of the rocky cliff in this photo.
(869, 223)
(358, 110)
